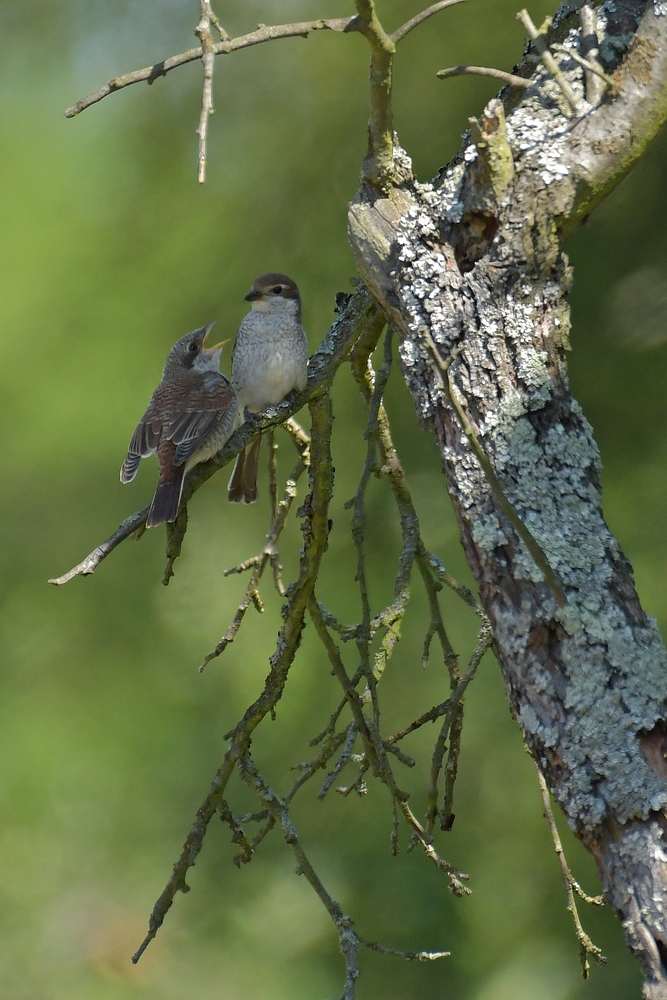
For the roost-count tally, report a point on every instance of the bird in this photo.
(190, 416)
(269, 360)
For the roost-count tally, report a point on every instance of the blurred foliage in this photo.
(109, 736)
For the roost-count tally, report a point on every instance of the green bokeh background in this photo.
(109, 251)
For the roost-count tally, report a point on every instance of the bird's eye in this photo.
(192, 347)
(277, 289)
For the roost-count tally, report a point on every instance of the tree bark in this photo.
(471, 272)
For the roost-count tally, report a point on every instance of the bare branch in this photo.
(315, 527)
(134, 525)
(203, 32)
(498, 74)
(379, 167)
(258, 563)
(408, 956)
(265, 33)
(418, 19)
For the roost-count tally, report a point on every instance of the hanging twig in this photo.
(586, 946)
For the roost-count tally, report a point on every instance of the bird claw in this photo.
(251, 418)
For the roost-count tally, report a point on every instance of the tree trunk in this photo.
(470, 271)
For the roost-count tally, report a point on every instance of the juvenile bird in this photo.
(190, 416)
(270, 359)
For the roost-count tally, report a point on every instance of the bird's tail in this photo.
(167, 500)
(243, 484)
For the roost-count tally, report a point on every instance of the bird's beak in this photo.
(252, 295)
(217, 347)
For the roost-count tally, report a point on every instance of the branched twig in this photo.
(376, 754)
(413, 548)
(349, 940)
(379, 166)
(315, 529)
(586, 946)
(451, 727)
(308, 768)
(269, 553)
(238, 834)
(342, 761)
(464, 593)
(265, 33)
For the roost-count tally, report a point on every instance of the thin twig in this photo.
(590, 67)
(221, 31)
(451, 727)
(463, 592)
(549, 61)
(418, 19)
(497, 74)
(408, 956)
(484, 643)
(269, 554)
(135, 525)
(203, 32)
(586, 946)
(376, 753)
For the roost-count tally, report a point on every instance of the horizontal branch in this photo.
(497, 74)
(264, 33)
(322, 367)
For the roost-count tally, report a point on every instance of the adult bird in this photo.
(189, 418)
(270, 359)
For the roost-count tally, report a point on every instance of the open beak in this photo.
(216, 347)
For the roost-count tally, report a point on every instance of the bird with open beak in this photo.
(189, 418)
(270, 359)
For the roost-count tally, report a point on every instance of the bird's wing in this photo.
(205, 407)
(144, 442)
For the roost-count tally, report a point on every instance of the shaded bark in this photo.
(472, 265)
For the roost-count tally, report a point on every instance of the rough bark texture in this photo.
(474, 260)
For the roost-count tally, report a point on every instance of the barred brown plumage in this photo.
(189, 418)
